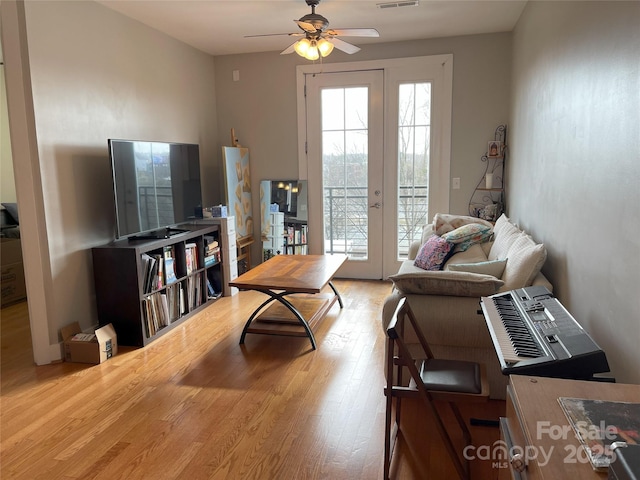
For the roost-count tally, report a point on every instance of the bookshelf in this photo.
(295, 240)
(228, 244)
(146, 288)
(274, 236)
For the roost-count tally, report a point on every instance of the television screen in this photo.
(156, 185)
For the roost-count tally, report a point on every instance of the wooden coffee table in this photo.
(294, 284)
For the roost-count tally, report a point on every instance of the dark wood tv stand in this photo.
(158, 234)
(134, 311)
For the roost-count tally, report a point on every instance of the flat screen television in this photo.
(156, 187)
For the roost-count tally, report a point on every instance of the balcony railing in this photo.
(346, 211)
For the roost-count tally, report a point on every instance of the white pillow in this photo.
(525, 261)
(495, 268)
(504, 234)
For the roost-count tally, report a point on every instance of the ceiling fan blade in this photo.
(289, 49)
(307, 27)
(354, 32)
(344, 46)
(297, 34)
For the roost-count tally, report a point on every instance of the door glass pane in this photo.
(414, 135)
(345, 141)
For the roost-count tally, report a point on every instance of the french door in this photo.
(345, 114)
(374, 147)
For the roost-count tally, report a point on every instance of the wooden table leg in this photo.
(280, 298)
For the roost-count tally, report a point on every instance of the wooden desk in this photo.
(534, 419)
(283, 276)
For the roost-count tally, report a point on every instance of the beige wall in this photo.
(575, 162)
(97, 75)
(7, 184)
(262, 105)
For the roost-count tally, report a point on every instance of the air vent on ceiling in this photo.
(407, 3)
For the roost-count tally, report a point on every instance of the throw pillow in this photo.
(468, 235)
(411, 280)
(433, 253)
(444, 222)
(495, 268)
(525, 261)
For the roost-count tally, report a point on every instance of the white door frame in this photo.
(440, 68)
(371, 266)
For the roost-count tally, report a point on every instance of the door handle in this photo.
(375, 205)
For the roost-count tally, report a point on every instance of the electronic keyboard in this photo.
(533, 334)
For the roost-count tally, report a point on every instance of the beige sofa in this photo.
(447, 301)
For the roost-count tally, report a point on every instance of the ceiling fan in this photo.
(318, 39)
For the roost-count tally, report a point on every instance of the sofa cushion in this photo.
(468, 235)
(474, 254)
(495, 268)
(525, 259)
(411, 279)
(433, 253)
(504, 234)
(444, 222)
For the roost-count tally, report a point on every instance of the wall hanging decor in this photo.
(238, 188)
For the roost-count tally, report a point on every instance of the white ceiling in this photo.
(219, 27)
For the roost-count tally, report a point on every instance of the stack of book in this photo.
(162, 308)
(211, 251)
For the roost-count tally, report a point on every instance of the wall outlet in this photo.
(456, 183)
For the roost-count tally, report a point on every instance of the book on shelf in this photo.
(181, 303)
(158, 273)
(191, 257)
(172, 303)
(169, 265)
(148, 267)
(198, 288)
(599, 423)
(210, 291)
(150, 320)
(211, 260)
(146, 316)
(164, 304)
(190, 281)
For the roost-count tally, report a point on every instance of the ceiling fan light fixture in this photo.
(325, 47)
(312, 53)
(302, 47)
(309, 49)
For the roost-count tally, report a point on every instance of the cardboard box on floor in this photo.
(89, 347)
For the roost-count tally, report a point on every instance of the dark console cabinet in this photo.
(135, 292)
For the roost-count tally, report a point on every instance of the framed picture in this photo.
(238, 188)
(494, 149)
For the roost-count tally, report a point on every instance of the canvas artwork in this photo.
(238, 188)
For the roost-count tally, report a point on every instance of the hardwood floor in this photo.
(196, 405)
